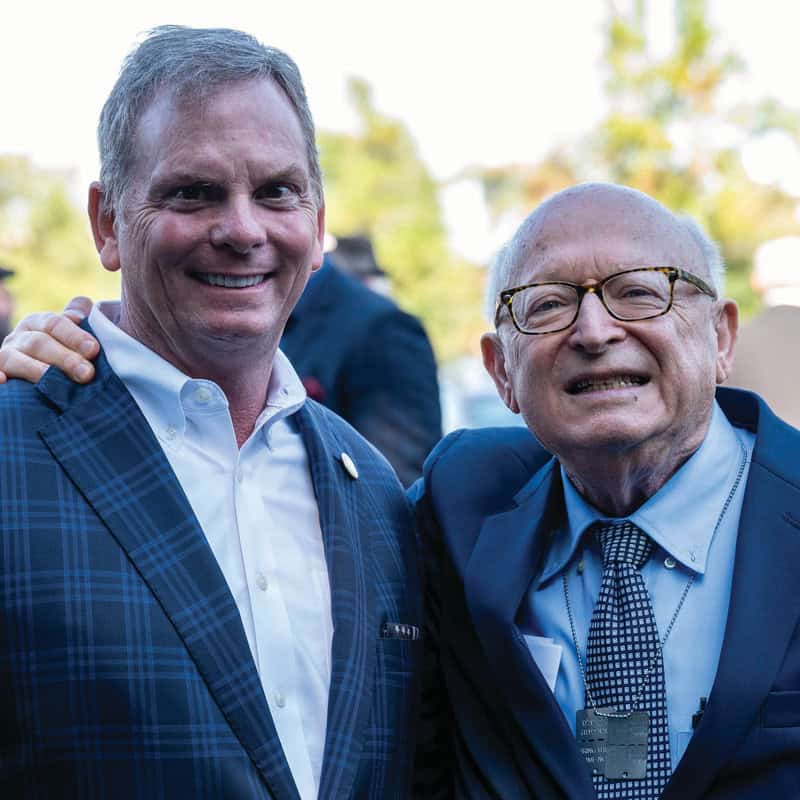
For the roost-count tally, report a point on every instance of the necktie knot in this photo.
(624, 543)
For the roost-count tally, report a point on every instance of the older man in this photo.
(208, 581)
(619, 620)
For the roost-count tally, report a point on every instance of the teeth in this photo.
(229, 281)
(619, 382)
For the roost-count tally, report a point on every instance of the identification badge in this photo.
(626, 747)
(591, 732)
(613, 746)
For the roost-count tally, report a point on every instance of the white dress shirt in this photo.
(257, 508)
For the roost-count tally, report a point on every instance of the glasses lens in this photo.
(637, 294)
(548, 307)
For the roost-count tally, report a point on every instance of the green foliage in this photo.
(660, 136)
(46, 239)
(376, 185)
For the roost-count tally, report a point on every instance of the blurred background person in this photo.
(361, 356)
(6, 302)
(355, 255)
(766, 355)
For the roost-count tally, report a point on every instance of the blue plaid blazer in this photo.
(124, 667)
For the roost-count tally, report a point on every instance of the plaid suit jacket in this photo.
(124, 667)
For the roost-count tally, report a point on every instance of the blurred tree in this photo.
(667, 134)
(46, 239)
(376, 185)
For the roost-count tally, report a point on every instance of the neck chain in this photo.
(649, 672)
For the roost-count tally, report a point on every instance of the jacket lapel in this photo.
(502, 565)
(348, 556)
(105, 445)
(763, 614)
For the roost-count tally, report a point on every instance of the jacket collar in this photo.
(504, 561)
(353, 602)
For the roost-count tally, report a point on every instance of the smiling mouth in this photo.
(229, 281)
(605, 384)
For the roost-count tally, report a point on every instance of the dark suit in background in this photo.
(361, 356)
(489, 502)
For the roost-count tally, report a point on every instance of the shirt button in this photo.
(171, 432)
(280, 699)
(261, 581)
(240, 476)
(202, 395)
(669, 562)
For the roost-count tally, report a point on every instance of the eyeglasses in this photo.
(630, 295)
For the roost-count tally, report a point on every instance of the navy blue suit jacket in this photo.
(371, 363)
(124, 667)
(489, 503)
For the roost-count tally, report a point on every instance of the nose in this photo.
(595, 328)
(238, 226)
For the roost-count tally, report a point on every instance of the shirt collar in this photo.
(162, 391)
(702, 484)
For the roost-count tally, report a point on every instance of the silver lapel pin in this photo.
(349, 465)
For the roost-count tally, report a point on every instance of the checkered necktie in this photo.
(623, 644)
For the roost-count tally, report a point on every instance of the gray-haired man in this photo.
(619, 620)
(208, 580)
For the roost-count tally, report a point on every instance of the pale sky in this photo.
(490, 83)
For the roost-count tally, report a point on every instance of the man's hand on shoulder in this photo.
(44, 339)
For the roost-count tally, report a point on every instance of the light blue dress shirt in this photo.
(680, 518)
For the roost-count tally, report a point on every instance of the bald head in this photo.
(624, 220)
(618, 379)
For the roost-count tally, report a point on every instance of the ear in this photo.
(319, 250)
(494, 360)
(727, 327)
(104, 229)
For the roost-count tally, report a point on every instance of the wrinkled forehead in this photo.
(589, 235)
(193, 99)
(171, 107)
(176, 120)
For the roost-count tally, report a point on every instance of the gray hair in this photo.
(190, 62)
(712, 255)
(512, 252)
(499, 274)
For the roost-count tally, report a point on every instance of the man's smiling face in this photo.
(602, 386)
(218, 229)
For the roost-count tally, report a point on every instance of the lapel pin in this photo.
(349, 465)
